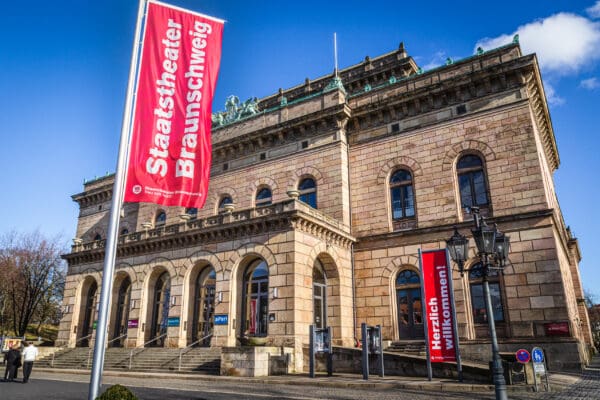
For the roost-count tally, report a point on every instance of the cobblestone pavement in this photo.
(588, 387)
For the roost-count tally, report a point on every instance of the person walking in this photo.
(29, 356)
(13, 362)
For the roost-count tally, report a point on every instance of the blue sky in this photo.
(64, 67)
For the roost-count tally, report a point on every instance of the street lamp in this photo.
(492, 249)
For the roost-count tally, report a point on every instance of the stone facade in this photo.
(349, 136)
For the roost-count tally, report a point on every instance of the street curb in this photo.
(301, 380)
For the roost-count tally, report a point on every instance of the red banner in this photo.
(170, 153)
(439, 305)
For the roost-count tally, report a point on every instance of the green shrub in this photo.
(117, 392)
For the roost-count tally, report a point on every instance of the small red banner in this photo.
(170, 153)
(439, 307)
(557, 329)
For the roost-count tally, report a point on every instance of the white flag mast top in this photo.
(164, 153)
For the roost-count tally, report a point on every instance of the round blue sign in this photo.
(523, 356)
(537, 354)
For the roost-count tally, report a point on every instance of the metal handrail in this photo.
(189, 346)
(131, 353)
(66, 346)
(117, 338)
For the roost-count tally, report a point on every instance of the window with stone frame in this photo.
(263, 197)
(225, 199)
(308, 192)
(472, 183)
(402, 200)
(478, 299)
(192, 212)
(161, 218)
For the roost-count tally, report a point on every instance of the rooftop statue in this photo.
(234, 110)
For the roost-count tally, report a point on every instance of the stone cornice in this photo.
(443, 232)
(95, 196)
(540, 110)
(282, 216)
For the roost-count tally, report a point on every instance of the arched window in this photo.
(477, 297)
(98, 237)
(124, 231)
(319, 295)
(308, 192)
(256, 299)
(204, 306)
(225, 200)
(160, 308)
(192, 211)
(161, 218)
(263, 197)
(472, 182)
(122, 316)
(410, 307)
(402, 199)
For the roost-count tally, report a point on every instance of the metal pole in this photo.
(329, 353)
(311, 351)
(497, 370)
(365, 351)
(115, 211)
(425, 319)
(380, 356)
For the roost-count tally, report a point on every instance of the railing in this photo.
(131, 353)
(117, 338)
(190, 346)
(66, 346)
(216, 220)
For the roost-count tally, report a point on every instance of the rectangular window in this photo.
(478, 303)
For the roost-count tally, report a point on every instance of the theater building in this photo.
(321, 196)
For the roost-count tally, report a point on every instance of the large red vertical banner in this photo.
(439, 305)
(170, 152)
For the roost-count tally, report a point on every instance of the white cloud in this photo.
(437, 60)
(564, 42)
(594, 11)
(553, 98)
(590, 84)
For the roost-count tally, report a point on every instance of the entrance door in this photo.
(120, 329)
(204, 307)
(160, 311)
(410, 307)
(88, 318)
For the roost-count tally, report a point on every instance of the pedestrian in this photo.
(29, 355)
(13, 362)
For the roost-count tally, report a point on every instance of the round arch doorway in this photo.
(160, 310)
(410, 305)
(204, 307)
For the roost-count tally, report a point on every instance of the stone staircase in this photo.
(202, 360)
(410, 347)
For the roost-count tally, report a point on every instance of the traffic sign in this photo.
(523, 356)
(537, 355)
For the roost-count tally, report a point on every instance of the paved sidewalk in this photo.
(586, 387)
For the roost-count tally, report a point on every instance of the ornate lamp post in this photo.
(492, 249)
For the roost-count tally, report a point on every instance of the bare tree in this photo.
(34, 280)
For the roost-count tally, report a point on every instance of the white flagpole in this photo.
(335, 56)
(115, 211)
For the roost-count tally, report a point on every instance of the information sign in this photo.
(173, 321)
(221, 319)
(133, 323)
